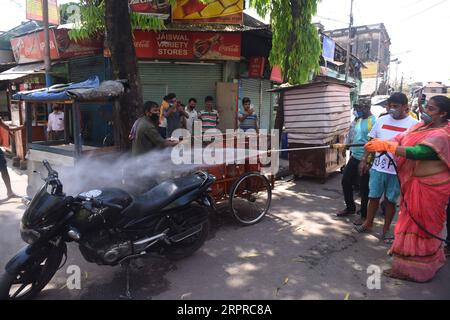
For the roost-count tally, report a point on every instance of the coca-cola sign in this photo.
(182, 45)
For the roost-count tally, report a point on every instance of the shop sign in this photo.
(214, 11)
(180, 45)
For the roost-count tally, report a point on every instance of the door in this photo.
(227, 105)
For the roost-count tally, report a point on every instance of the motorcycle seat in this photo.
(162, 195)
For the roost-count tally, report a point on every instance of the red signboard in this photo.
(30, 47)
(256, 67)
(150, 7)
(68, 48)
(187, 45)
(276, 75)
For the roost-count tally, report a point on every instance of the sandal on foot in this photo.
(359, 222)
(388, 238)
(362, 229)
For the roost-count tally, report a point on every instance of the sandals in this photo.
(362, 229)
(388, 238)
(359, 222)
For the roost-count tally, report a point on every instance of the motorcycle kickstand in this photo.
(127, 295)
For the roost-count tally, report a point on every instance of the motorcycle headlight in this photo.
(28, 235)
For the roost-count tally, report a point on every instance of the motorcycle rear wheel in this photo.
(187, 247)
(33, 277)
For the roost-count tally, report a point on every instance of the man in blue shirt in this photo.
(248, 120)
(359, 134)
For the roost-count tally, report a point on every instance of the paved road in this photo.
(299, 251)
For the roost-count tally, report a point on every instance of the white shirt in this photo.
(193, 115)
(387, 128)
(55, 121)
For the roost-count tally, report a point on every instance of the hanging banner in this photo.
(256, 67)
(35, 11)
(276, 75)
(213, 11)
(159, 8)
(329, 46)
(183, 45)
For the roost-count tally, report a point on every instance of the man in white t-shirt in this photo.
(55, 125)
(383, 177)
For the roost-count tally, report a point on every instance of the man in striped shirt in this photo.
(248, 119)
(209, 117)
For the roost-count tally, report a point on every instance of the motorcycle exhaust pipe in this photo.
(143, 244)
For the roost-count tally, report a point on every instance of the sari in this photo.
(417, 256)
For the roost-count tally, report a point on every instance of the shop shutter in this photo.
(81, 69)
(186, 81)
(267, 111)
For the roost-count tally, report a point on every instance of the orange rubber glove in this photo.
(377, 145)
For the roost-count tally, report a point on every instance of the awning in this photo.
(22, 71)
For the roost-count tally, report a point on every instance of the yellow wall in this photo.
(371, 71)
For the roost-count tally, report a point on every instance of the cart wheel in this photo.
(250, 198)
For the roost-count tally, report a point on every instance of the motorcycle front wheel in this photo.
(26, 282)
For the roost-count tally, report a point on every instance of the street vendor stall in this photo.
(316, 114)
(67, 151)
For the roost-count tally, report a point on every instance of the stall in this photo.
(67, 151)
(316, 114)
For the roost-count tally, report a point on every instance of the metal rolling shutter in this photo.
(186, 81)
(267, 111)
(81, 69)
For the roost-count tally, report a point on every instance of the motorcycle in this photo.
(111, 227)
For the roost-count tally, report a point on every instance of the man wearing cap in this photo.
(359, 134)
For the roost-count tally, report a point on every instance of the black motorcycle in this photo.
(111, 227)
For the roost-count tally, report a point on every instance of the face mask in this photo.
(154, 116)
(396, 114)
(426, 118)
(359, 114)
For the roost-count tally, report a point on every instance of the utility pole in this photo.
(47, 57)
(401, 84)
(347, 63)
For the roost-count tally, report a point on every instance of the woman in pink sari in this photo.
(423, 161)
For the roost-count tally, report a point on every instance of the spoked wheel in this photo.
(250, 198)
(32, 277)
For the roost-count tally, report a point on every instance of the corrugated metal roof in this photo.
(21, 71)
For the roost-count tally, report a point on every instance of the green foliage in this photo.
(303, 54)
(92, 13)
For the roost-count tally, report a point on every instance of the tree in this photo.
(113, 18)
(296, 45)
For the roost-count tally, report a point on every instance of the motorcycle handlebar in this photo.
(49, 168)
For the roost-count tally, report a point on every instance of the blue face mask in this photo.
(426, 118)
(358, 114)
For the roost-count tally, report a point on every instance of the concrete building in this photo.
(371, 44)
(434, 89)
